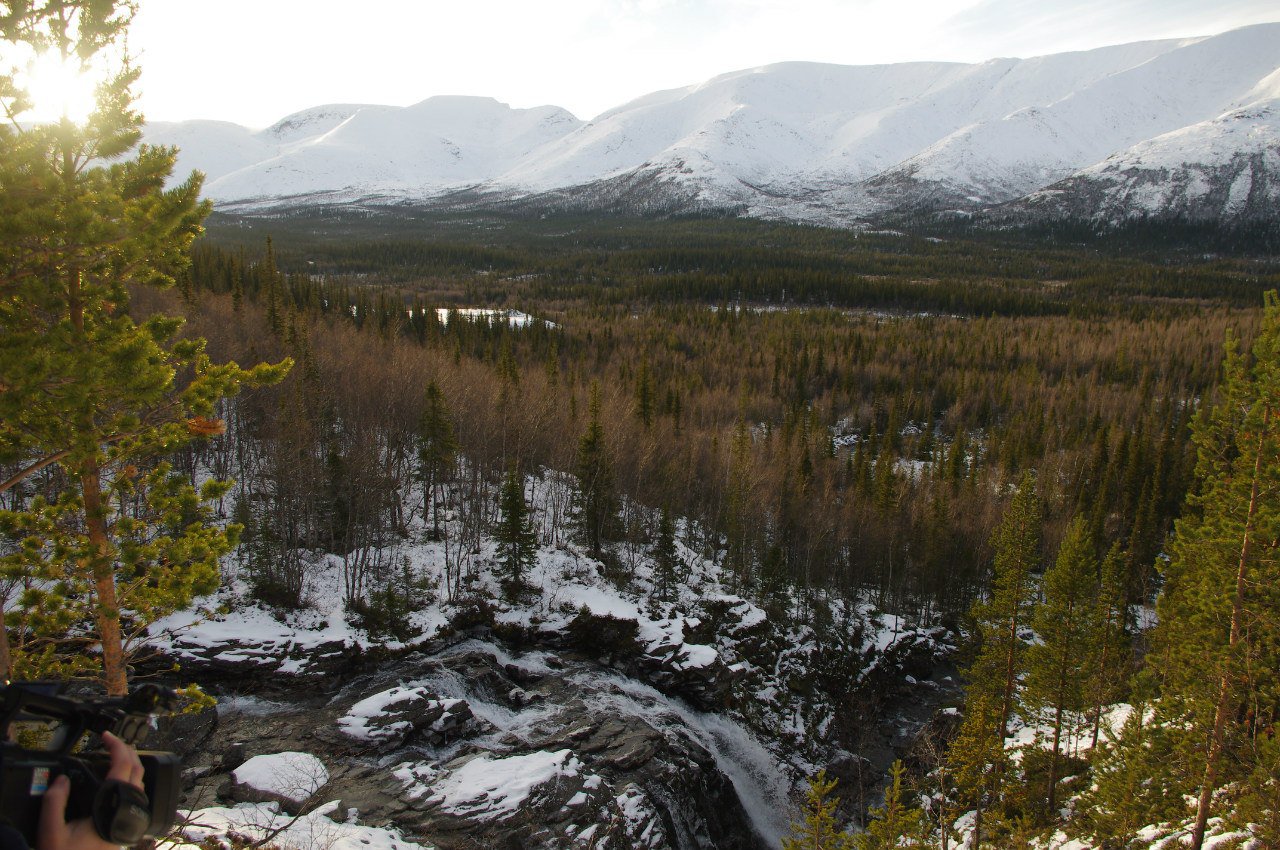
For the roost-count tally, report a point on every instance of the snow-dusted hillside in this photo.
(802, 140)
(1224, 169)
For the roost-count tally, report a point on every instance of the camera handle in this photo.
(121, 812)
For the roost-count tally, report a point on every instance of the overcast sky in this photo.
(255, 61)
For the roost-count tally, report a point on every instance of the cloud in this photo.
(254, 61)
(1026, 27)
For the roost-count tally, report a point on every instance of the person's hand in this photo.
(55, 833)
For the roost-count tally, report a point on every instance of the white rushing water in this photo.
(758, 778)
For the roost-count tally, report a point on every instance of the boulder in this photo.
(288, 778)
(695, 672)
(392, 718)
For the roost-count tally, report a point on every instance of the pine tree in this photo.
(1109, 660)
(977, 757)
(895, 824)
(517, 543)
(436, 449)
(644, 395)
(595, 503)
(81, 384)
(665, 557)
(1129, 791)
(1217, 648)
(1002, 617)
(817, 830)
(1058, 664)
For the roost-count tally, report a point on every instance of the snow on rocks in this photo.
(643, 823)
(486, 788)
(253, 823)
(390, 718)
(290, 778)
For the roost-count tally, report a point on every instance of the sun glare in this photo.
(59, 88)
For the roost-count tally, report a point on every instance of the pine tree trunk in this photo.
(1053, 761)
(107, 611)
(6, 652)
(1052, 796)
(1217, 740)
(1099, 694)
(1010, 673)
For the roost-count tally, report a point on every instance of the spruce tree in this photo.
(895, 824)
(817, 830)
(665, 557)
(1065, 623)
(517, 543)
(644, 395)
(436, 449)
(596, 505)
(86, 216)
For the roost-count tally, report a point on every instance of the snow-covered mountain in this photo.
(1176, 127)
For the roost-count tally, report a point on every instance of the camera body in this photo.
(46, 735)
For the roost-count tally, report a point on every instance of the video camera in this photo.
(45, 734)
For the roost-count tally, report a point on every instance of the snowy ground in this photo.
(323, 829)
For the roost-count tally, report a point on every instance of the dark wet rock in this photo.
(185, 734)
(634, 783)
(634, 728)
(603, 636)
(685, 671)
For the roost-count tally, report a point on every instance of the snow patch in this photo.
(258, 822)
(489, 789)
(291, 775)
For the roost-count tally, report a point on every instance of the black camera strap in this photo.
(121, 812)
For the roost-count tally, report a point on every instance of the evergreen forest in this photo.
(1027, 440)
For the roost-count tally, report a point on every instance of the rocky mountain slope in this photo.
(1151, 128)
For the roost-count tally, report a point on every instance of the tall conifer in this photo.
(436, 449)
(1002, 617)
(817, 830)
(1058, 663)
(977, 755)
(595, 503)
(82, 385)
(895, 824)
(1217, 648)
(517, 543)
(665, 556)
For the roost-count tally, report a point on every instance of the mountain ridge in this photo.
(1047, 137)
